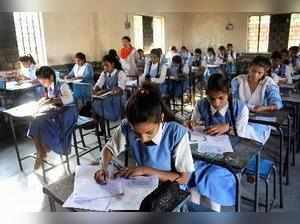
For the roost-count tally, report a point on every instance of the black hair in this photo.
(184, 48)
(113, 60)
(178, 60)
(45, 72)
(212, 50)
(261, 61)
(126, 38)
(27, 58)
(276, 55)
(229, 45)
(218, 82)
(140, 50)
(156, 52)
(113, 52)
(294, 49)
(146, 105)
(173, 48)
(222, 48)
(80, 56)
(198, 51)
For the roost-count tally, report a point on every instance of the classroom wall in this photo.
(95, 33)
(208, 29)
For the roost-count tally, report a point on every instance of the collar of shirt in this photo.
(112, 73)
(51, 87)
(157, 138)
(222, 111)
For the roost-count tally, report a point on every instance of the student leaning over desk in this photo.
(259, 92)
(159, 145)
(53, 131)
(218, 114)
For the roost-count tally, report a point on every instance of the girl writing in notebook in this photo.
(159, 145)
(219, 115)
(53, 131)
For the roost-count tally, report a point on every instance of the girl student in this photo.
(259, 92)
(219, 114)
(28, 68)
(82, 69)
(159, 145)
(113, 79)
(53, 131)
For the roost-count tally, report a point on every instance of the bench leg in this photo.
(76, 147)
(52, 204)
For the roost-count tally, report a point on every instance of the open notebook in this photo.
(117, 194)
(202, 143)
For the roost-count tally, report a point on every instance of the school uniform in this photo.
(55, 129)
(140, 64)
(30, 72)
(111, 107)
(282, 72)
(169, 149)
(196, 63)
(85, 71)
(186, 58)
(296, 63)
(211, 65)
(266, 94)
(175, 88)
(231, 64)
(212, 181)
(156, 73)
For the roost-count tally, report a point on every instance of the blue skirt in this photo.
(110, 108)
(174, 88)
(55, 129)
(214, 182)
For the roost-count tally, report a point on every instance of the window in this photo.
(258, 33)
(294, 36)
(149, 32)
(29, 32)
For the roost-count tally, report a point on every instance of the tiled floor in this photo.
(23, 191)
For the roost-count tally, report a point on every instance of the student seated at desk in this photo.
(211, 63)
(53, 131)
(280, 72)
(220, 115)
(197, 59)
(140, 61)
(159, 145)
(113, 78)
(259, 92)
(231, 57)
(155, 71)
(294, 53)
(186, 56)
(28, 68)
(82, 69)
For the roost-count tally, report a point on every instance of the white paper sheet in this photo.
(211, 144)
(265, 118)
(119, 194)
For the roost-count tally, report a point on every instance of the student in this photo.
(295, 58)
(220, 115)
(259, 92)
(53, 131)
(211, 64)
(141, 61)
(113, 53)
(186, 56)
(172, 52)
(128, 57)
(113, 78)
(280, 72)
(154, 70)
(28, 69)
(222, 57)
(82, 69)
(230, 61)
(174, 88)
(197, 58)
(159, 145)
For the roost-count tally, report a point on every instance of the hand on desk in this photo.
(219, 129)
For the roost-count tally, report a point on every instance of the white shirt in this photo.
(183, 155)
(288, 76)
(258, 96)
(122, 79)
(29, 72)
(65, 91)
(153, 71)
(79, 70)
(241, 122)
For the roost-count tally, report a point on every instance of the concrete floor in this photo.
(22, 191)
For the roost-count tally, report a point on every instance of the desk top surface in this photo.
(15, 86)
